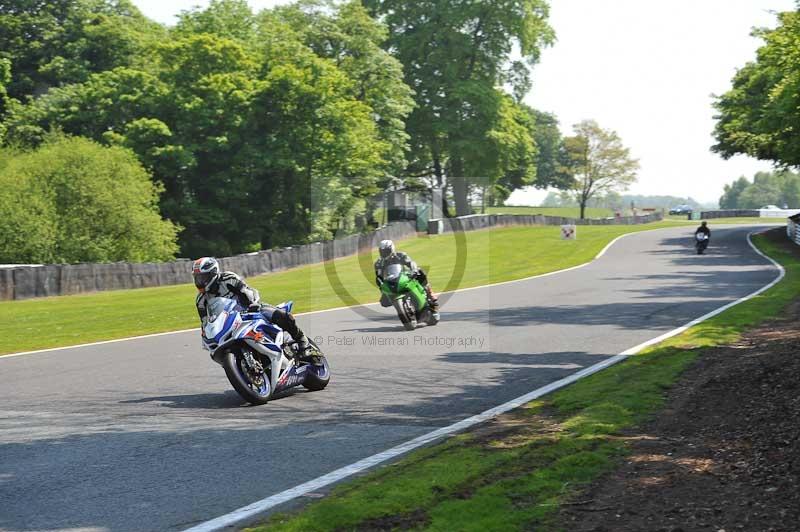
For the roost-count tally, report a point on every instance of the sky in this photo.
(645, 69)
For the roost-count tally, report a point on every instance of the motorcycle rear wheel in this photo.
(319, 379)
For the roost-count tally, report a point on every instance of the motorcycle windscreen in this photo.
(393, 272)
(218, 311)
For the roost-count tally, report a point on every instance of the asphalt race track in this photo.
(148, 434)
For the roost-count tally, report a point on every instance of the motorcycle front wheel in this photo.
(253, 388)
(405, 312)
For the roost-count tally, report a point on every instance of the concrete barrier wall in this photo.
(25, 282)
(482, 221)
(793, 228)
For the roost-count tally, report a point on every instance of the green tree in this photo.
(455, 53)
(507, 160)
(768, 188)
(764, 190)
(790, 190)
(102, 106)
(347, 35)
(258, 142)
(27, 228)
(59, 42)
(314, 146)
(5, 78)
(231, 19)
(547, 136)
(83, 203)
(731, 193)
(596, 161)
(759, 114)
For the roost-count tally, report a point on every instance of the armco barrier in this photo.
(755, 213)
(25, 282)
(793, 228)
(777, 213)
(482, 221)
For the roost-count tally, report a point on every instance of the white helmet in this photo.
(205, 271)
(386, 248)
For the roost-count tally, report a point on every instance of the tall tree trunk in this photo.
(583, 208)
(439, 173)
(461, 196)
(460, 188)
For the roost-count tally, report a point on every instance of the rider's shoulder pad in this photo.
(229, 277)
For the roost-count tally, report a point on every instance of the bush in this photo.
(73, 200)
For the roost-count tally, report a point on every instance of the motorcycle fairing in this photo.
(397, 283)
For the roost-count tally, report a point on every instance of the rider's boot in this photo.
(303, 344)
(432, 300)
(285, 320)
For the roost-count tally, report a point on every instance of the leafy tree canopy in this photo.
(731, 193)
(256, 145)
(231, 19)
(455, 54)
(781, 188)
(346, 34)
(83, 203)
(56, 42)
(5, 78)
(597, 162)
(758, 116)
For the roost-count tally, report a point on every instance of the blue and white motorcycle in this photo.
(259, 358)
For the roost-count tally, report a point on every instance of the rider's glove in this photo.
(255, 307)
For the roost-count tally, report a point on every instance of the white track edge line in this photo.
(128, 338)
(253, 509)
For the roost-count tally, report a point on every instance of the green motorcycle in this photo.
(408, 297)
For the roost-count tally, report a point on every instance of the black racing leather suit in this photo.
(231, 286)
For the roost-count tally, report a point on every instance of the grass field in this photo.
(516, 477)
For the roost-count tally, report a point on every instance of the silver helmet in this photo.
(386, 248)
(205, 272)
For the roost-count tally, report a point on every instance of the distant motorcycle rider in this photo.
(211, 282)
(388, 256)
(703, 229)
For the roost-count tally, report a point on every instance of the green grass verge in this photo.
(516, 481)
(492, 256)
